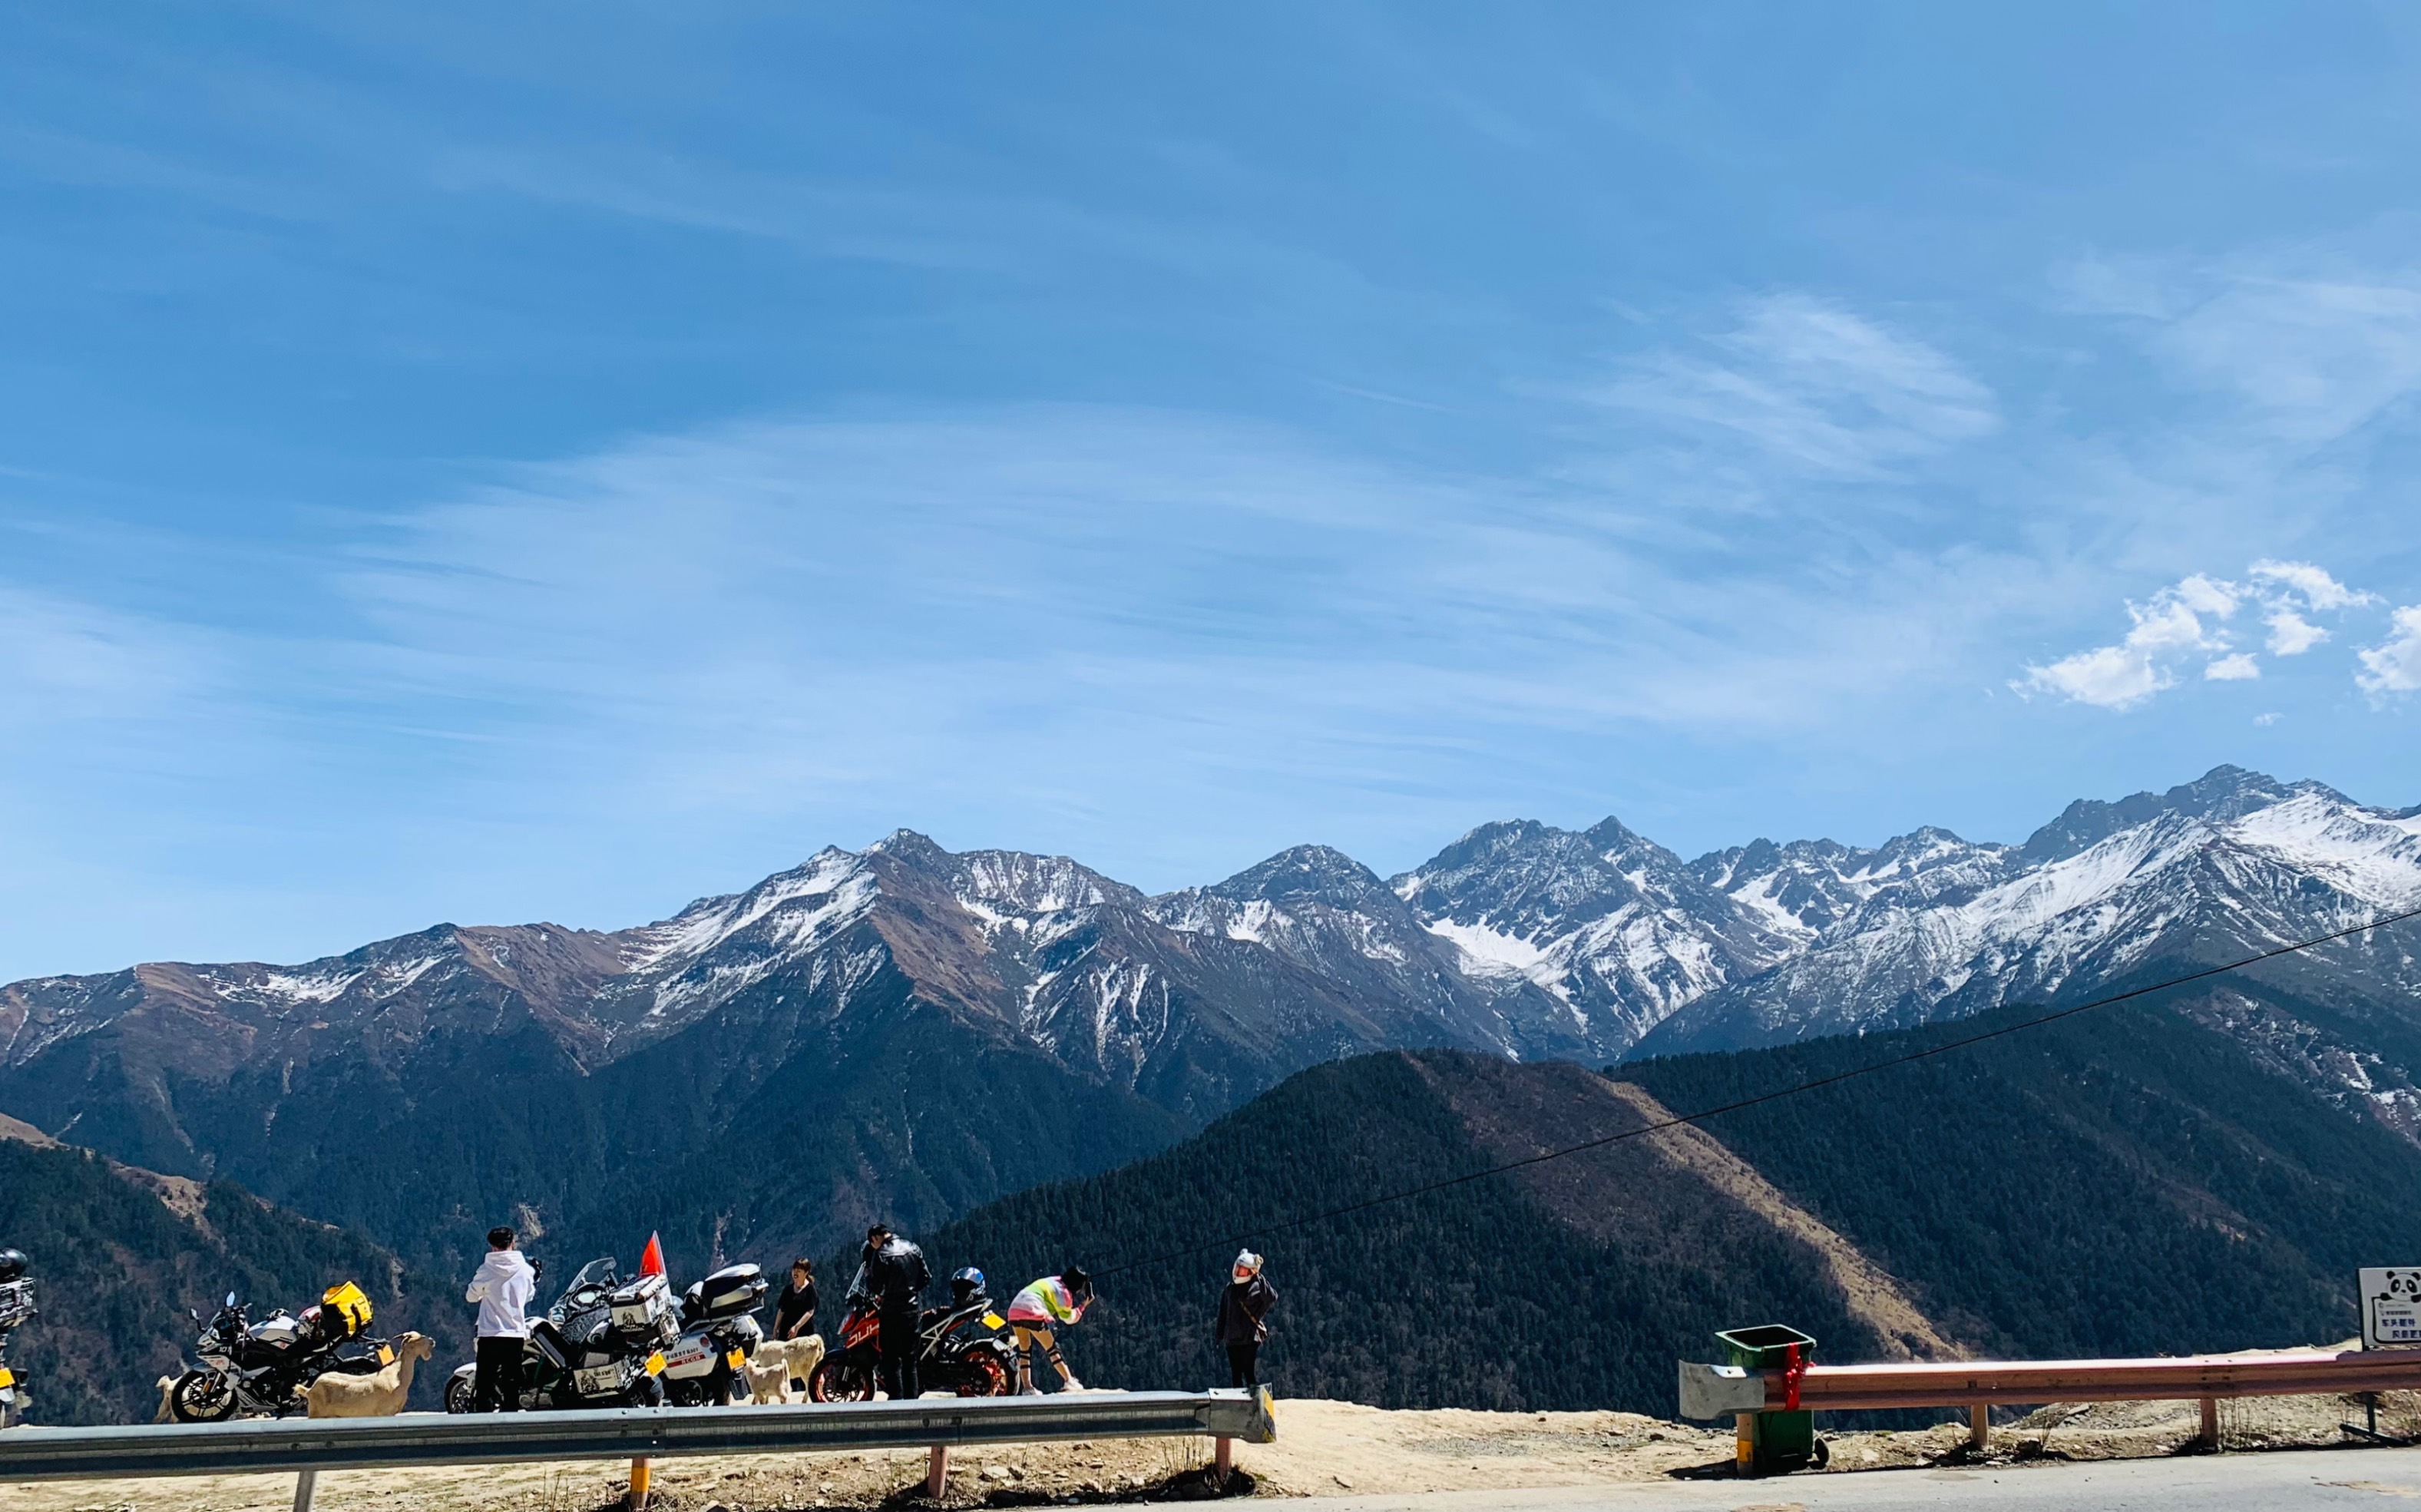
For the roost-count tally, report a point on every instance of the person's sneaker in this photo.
(1029, 1389)
(1073, 1384)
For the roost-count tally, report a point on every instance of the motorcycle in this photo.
(719, 1335)
(978, 1366)
(265, 1367)
(16, 1308)
(602, 1344)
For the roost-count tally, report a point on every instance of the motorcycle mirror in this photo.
(230, 1301)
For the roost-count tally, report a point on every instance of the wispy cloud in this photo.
(1815, 386)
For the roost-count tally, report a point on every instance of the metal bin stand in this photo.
(1774, 1444)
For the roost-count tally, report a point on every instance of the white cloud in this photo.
(2184, 618)
(2291, 635)
(2312, 358)
(2169, 626)
(2290, 581)
(2265, 720)
(2394, 665)
(2107, 677)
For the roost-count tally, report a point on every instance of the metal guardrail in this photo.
(1979, 1385)
(37, 1454)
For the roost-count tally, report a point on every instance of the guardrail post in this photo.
(937, 1470)
(640, 1475)
(1223, 1458)
(1979, 1427)
(1744, 1444)
(2211, 1422)
(306, 1487)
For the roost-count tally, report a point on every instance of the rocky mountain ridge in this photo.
(936, 1028)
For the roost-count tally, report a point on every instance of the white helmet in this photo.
(1248, 1262)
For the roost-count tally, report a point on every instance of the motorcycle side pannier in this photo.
(642, 1306)
(732, 1290)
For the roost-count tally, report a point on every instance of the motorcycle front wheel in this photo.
(839, 1378)
(458, 1395)
(645, 1392)
(201, 1396)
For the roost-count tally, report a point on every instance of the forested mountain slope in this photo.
(2124, 1182)
(119, 1254)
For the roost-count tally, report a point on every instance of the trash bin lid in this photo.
(1767, 1344)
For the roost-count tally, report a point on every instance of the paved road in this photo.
(2326, 1480)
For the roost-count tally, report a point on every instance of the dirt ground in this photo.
(1331, 1449)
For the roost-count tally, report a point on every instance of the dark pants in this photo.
(498, 1377)
(1241, 1358)
(899, 1339)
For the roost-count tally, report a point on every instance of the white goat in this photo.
(800, 1355)
(168, 1389)
(380, 1395)
(768, 1378)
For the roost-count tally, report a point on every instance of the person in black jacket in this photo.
(893, 1277)
(1244, 1318)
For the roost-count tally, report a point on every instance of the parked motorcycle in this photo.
(719, 1335)
(265, 1367)
(16, 1308)
(602, 1344)
(969, 1365)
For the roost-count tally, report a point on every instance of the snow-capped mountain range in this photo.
(1518, 938)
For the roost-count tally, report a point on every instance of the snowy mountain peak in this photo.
(1304, 871)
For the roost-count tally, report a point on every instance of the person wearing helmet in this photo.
(12, 1264)
(1035, 1316)
(1245, 1317)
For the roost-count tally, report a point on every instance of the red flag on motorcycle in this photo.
(651, 1263)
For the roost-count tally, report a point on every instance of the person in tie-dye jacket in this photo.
(1037, 1314)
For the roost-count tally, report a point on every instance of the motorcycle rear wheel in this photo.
(839, 1378)
(458, 1395)
(983, 1375)
(201, 1396)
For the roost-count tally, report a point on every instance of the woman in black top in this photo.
(794, 1312)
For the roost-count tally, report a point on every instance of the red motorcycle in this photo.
(853, 1367)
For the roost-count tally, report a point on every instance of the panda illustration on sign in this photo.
(2390, 1309)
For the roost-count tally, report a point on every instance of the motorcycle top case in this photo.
(344, 1311)
(642, 1306)
(733, 1290)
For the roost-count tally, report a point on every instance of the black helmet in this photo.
(966, 1285)
(12, 1264)
(1076, 1281)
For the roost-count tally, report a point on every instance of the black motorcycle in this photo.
(265, 1367)
(600, 1345)
(16, 1308)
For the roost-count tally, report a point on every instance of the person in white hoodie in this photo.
(502, 1288)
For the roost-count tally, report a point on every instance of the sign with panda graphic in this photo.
(2390, 1309)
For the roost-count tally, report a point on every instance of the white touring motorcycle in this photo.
(611, 1343)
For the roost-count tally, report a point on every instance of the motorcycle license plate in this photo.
(386, 1356)
(993, 1320)
(656, 1364)
(735, 1359)
(598, 1380)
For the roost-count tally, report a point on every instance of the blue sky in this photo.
(553, 465)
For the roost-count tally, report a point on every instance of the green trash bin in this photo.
(1774, 1444)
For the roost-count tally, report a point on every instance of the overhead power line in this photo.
(1811, 1084)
